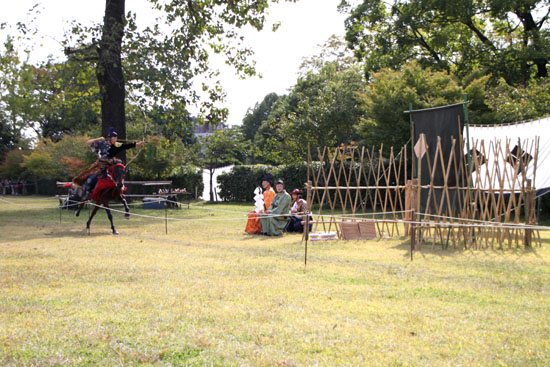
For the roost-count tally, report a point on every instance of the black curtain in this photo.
(448, 123)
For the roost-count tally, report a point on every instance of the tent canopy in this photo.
(519, 137)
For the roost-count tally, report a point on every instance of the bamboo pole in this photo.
(308, 213)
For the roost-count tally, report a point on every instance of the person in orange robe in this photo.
(254, 224)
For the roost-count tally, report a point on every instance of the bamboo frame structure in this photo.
(486, 208)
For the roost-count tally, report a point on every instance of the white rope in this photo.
(449, 224)
(376, 213)
(30, 206)
(187, 219)
(421, 223)
(493, 225)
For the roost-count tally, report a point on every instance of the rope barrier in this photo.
(187, 219)
(144, 215)
(481, 224)
(29, 206)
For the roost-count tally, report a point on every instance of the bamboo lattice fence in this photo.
(481, 201)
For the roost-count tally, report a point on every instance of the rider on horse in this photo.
(110, 182)
(107, 152)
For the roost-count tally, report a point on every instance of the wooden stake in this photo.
(165, 217)
(306, 227)
(528, 215)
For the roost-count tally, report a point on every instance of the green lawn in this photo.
(207, 294)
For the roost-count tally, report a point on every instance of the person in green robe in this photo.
(274, 226)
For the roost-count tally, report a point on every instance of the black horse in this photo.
(108, 188)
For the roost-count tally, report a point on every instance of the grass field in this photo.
(206, 294)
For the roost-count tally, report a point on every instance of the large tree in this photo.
(109, 69)
(508, 38)
(157, 65)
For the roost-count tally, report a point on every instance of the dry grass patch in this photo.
(207, 294)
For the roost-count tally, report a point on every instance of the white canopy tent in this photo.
(503, 143)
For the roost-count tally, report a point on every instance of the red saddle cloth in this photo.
(107, 185)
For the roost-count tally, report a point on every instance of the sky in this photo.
(305, 26)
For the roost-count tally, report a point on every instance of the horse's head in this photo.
(117, 173)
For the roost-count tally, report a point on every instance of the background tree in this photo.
(49, 99)
(321, 109)
(223, 148)
(269, 142)
(158, 64)
(325, 109)
(389, 95)
(59, 160)
(12, 164)
(158, 158)
(14, 74)
(522, 103)
(66, 99)
(507, 38)
(256, 116)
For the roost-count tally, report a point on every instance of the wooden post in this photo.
(538, 208)
(418, 197)
(307, 214)
(411, 122)
(472, 241)
(408, 205)
(414, 201)
(165, 217)
(413, 236)
(529, 206)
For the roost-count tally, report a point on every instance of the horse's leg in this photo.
(126, 207)
(110, 216)
(78, 209)
(96, 208)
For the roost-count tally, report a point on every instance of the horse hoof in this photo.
(127, 216)
(76, 214)
(115, 232)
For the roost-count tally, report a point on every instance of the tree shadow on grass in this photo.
(25, 230)
(441, 250)
(83, 233)
(261, 237)
(54, 233)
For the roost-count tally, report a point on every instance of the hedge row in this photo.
(238, 185)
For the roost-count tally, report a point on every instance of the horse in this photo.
(108, 188)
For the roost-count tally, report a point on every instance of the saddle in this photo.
(106, 183)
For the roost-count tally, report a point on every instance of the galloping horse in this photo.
(109, 188)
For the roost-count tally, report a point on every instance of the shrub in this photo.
(239, 184)
(187, 177)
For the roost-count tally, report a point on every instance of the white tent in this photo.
(495, 138)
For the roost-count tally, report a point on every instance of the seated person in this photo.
(254, 225)
(297, 213)
(275, 218)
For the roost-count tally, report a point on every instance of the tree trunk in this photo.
(109, 71)
(532, 39)
(211, 189)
